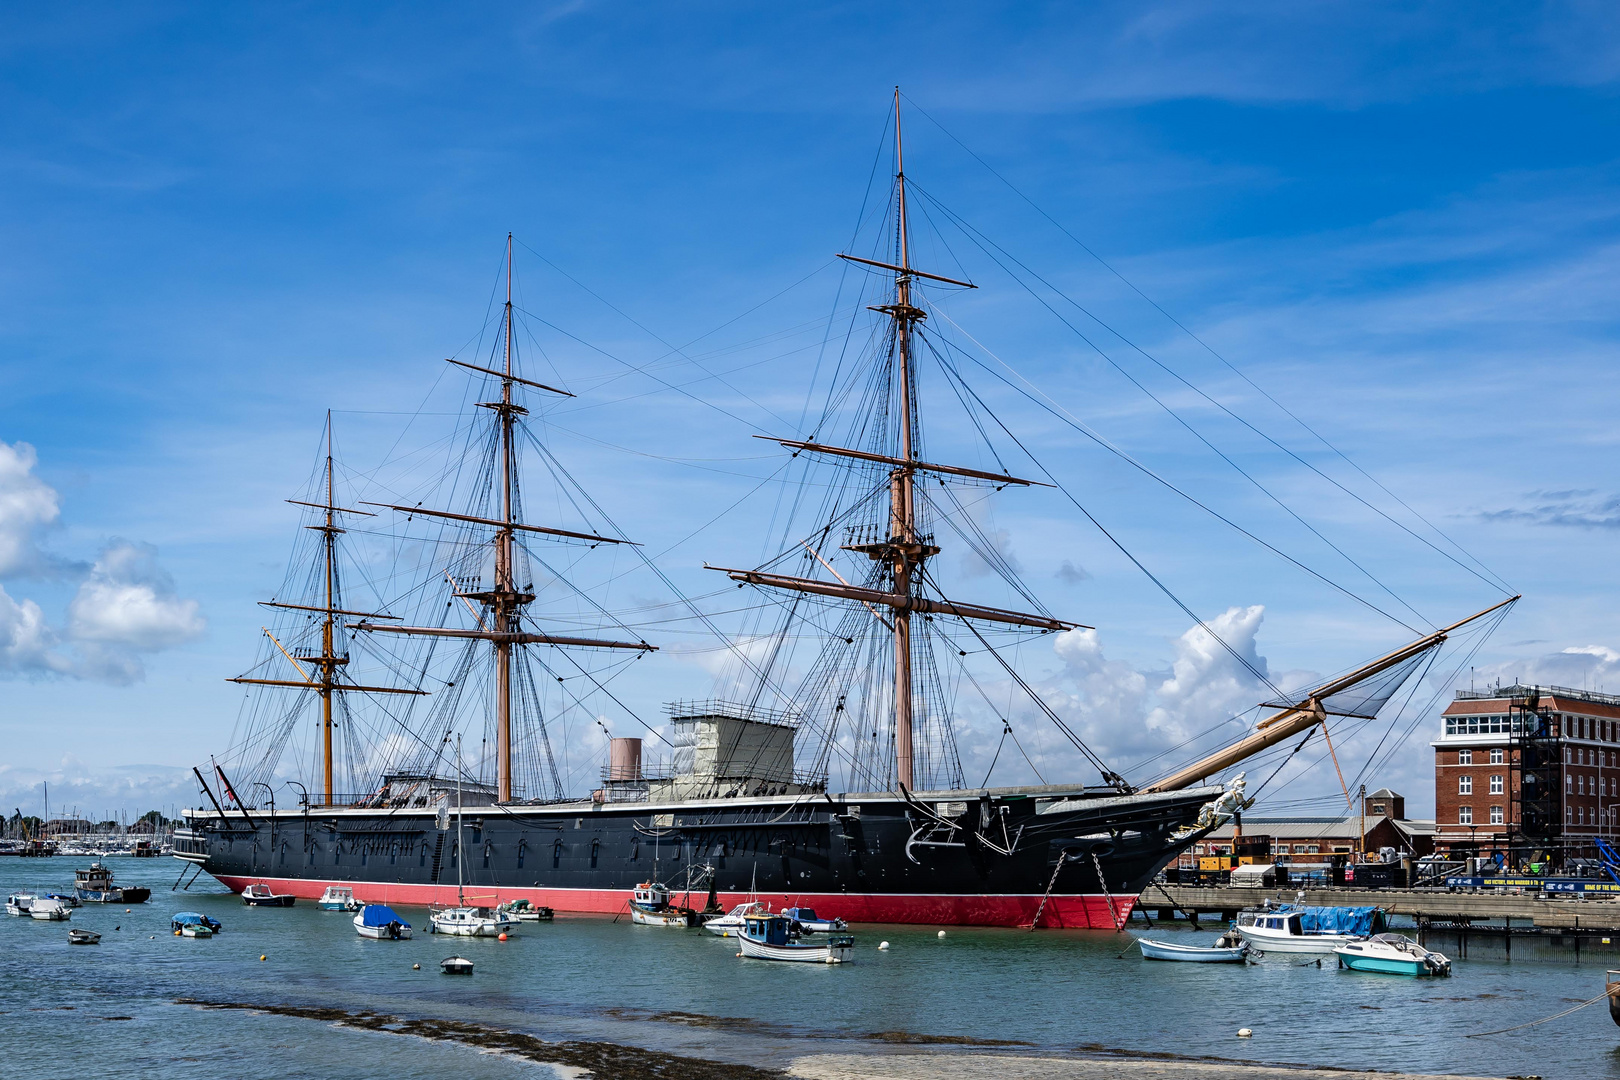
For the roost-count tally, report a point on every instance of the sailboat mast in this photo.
(503, 571)
(328, 668)
(902, 522)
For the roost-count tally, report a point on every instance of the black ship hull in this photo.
(1012, 857)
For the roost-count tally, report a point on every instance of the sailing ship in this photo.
(906, 841)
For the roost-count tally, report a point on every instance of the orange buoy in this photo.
(261, 957)
(503, 935)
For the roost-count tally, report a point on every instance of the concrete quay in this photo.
(1422, 905)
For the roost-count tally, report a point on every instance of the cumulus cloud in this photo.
(130, 600)
(26, 640)
(125, 605)
(98, 794)
(1125, 713)
(28, 506)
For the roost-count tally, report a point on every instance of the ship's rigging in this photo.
(886, 661)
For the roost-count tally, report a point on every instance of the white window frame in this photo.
(1496, 784)
(1496, 756)
(1465, 757)
(1496, 815)
(1465, 785)
(1465, 815)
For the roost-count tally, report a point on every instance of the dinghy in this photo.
(456, 965)
(83, 937)
(1230, 949)
(194, 925)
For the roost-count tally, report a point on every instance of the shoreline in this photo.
(897, 1055)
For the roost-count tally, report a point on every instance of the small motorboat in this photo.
(650, 906)
(772, 937)
(1306, 930)
(338, 898)
(95, 885)
(731, 923)
(261, 895)
(1613, 986)
(472, 922)
(456, 965)
(1230, 948)
(381, 922)
(1392, 954)
(194, 924)
(83, 937)
(523, 911)
(20, 903)
(49, 909)
(810, 924)
(66, 899)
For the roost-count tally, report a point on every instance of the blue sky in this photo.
(1399, 221)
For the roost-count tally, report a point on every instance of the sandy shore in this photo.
(956, 1066)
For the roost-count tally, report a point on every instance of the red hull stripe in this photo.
(1070, 910)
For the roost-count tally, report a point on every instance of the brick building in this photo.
(1316, 840)
(1527, 772)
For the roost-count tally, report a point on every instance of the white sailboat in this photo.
(462, 920)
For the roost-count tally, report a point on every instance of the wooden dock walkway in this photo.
(1432, 905)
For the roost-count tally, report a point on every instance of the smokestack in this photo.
(624, 759)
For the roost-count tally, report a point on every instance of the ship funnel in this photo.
(624, 759)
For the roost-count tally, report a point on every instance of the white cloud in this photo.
(26, 638)
(28, 505)
(130, 600)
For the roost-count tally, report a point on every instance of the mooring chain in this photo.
(1112, 914)
(1050, 885)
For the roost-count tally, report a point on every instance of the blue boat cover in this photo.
(380, 915)
(189, 917)
(1343, 920)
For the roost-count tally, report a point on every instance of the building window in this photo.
(1313, 850)
(1580, 785)
(1451, 725)
(1465, 785)
(1496, 785)
(1496, 815)
(1465, 815)
(1378, 808)
(1465, 757)
(1496, 756)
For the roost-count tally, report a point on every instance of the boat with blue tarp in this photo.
(194, 924)
(382, 923)
(1298, 929)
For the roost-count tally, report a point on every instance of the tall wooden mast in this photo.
(905, 551)
(504, 600)
(328, 661)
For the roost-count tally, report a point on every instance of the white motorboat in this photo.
(261, 895)
(1392, 954)
(338, 898)
(1285, 932)
(731, 923)
(650, 906)
(20, 903)
(523, 911)
(772, 937)
(49, 909)
(382, 923)
(83, 937)
(1230, 948)
(472, 922)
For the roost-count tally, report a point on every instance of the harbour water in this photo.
(113, 1007)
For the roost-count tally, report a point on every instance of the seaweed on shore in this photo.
(605, 1061)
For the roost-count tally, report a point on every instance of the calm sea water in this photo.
(589, 978)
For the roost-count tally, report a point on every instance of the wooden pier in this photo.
(1426, 906)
